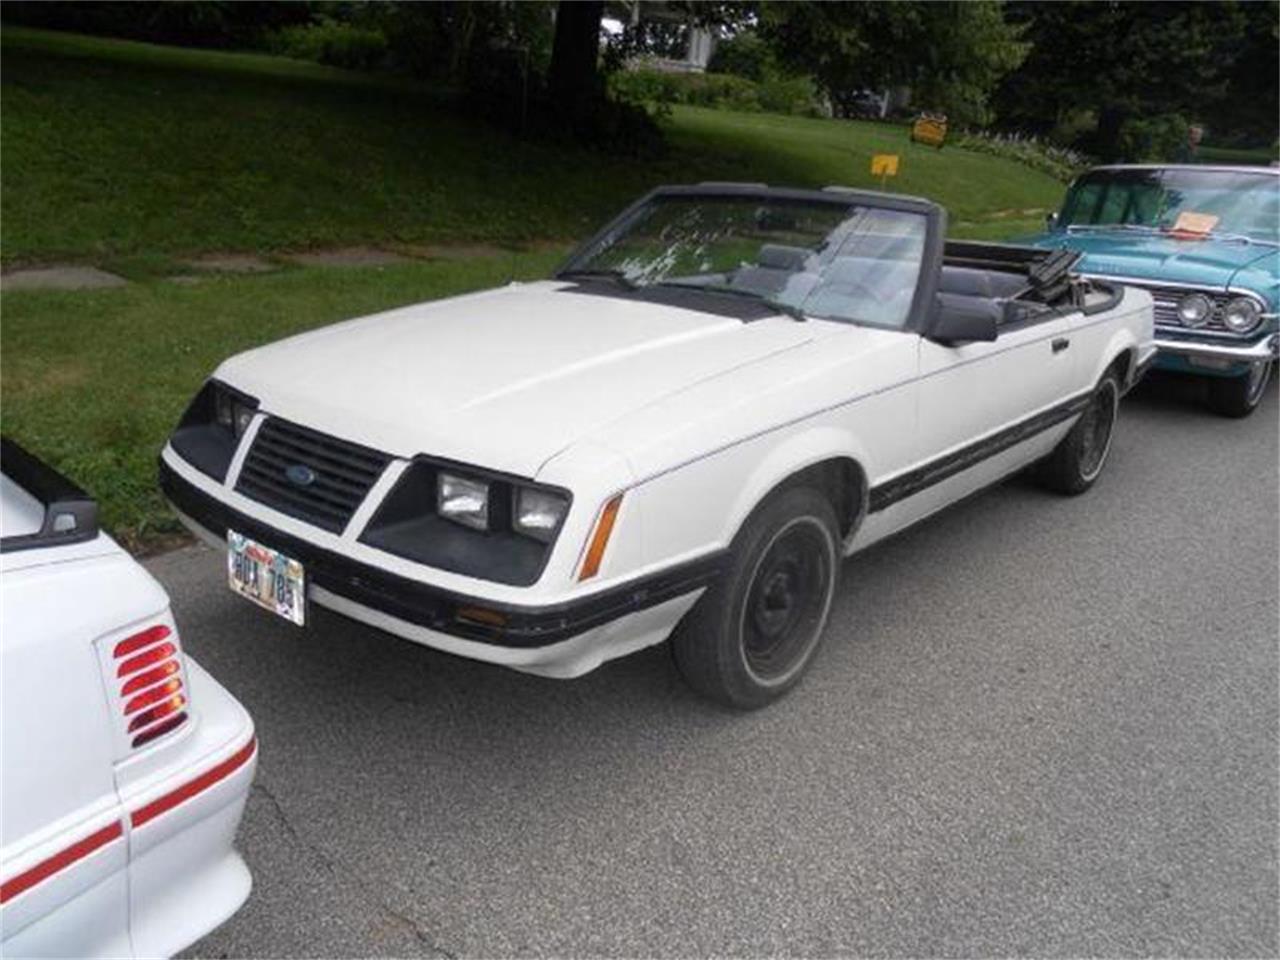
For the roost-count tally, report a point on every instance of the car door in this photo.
(983, 411)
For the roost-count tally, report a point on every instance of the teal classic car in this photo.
(1205, 242)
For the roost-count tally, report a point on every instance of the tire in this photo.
(1240, 396)
(1077, 461)
(752, 636)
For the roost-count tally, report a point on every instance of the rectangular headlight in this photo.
(230, 413)
(463, 500)
(538, 513)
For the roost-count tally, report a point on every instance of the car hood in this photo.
(503, 379)
(1208, 263)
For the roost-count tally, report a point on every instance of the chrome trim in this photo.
(1145, 282)
(1266, 348)
(1219, 295)
(1235, 168)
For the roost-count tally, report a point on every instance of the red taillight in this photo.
(159, 712)
(144, 660)
(143, 680)
(139, 640)
(154, 695)
(159, 730)
(152, 698)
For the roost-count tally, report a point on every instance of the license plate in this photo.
(267, 577)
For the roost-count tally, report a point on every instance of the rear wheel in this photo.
(751, 637)
(1240, 396)
(1078, 459)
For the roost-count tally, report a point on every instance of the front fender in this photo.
(789, 457)
(700, 506)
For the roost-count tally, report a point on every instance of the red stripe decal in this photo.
(59, 861)
(193, 787)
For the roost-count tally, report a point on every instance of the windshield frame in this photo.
(930, 260)
(1070, 199)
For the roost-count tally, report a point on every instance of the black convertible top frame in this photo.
(935, 229)
(70, 514)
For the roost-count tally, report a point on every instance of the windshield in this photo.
(827, 259)
(1220, 202)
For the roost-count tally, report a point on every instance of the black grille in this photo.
(336, 478)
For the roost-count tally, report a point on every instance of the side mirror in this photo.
(1051, 219)
(960, 319)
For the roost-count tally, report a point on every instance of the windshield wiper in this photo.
(1106, 227)
(788, 309)
(617, 276)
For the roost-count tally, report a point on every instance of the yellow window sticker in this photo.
(1191, 222)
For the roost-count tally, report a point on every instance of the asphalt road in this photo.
(1039, 726)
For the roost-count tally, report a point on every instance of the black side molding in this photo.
(944, 468)
(70, 514)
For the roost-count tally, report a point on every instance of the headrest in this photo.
(777, 256)
(966, 281)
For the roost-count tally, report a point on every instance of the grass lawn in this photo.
(93, 381)
(127, 156)
(113, 149)
(1259, 157)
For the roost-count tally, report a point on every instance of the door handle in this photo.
(1061, 344)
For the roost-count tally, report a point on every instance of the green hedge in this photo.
(717, 90)
(331, 42)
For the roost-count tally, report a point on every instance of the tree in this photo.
(573, 79)
(951, 53)
(744, 55)
(1124, 62)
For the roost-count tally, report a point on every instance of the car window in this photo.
(847, 261)
(1236, 202)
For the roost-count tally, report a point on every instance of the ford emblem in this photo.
(300, 475)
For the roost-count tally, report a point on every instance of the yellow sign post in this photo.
(884, 166)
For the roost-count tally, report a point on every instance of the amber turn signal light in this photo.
(600, 538)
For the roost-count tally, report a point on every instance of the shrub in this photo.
(744, 55)
(1153, 139)
(717, 90)
(795, 95)
(332, 42)
(1058, 162)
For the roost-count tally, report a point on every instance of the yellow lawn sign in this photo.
(930, 129)
(884, 166)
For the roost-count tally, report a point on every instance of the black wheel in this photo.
(750, 638)
(1077, 461)
(1239, 396)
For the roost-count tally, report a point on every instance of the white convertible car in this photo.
(720, 395)
(125, 767)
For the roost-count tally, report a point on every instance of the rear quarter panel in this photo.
(58, 785)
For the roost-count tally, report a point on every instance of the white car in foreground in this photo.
(125, 766)
(722, 393)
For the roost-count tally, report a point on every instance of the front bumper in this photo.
(429, 614)
(1227, 353)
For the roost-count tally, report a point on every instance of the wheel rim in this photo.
(787, 601)
(1096, 427)
(1259, 374)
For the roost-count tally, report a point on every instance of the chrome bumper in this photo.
(1264, 349)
